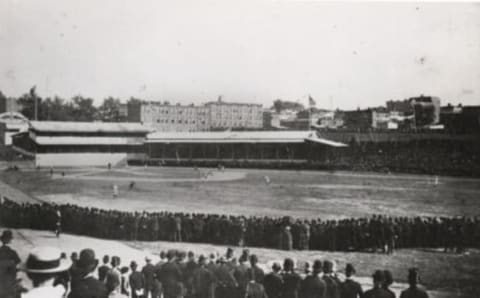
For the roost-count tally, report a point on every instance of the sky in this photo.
(344, 54)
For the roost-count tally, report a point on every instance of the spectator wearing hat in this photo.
(148, 272)
(254, 272)
(413, 291)
(170, 276)
(114, 275)
(291, 280)
(333, 288)
(103, 270)
(44, 267)
(9, 260)
(88, 285)
(313, 286)
(388, 282)
(350, 288)
(240, 274)
(273, 282)
(137, 281)
(203, 279)
(377, 291)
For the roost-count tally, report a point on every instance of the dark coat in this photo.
(351, 289)
(291, 285)
(377, 293)
(273, 284)
(313, 287)
(102, 272)
(89, 287)
(333, 287)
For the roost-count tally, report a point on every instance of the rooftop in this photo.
(240, 137)
(88, 127)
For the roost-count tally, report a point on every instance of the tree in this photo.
(109, 111)
(280, 105)
(27, 101)
(83, 109)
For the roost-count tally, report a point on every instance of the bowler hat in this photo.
(6, 236)
(87, 259)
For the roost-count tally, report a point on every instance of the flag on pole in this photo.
(311, 101)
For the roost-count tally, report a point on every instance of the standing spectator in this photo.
(350, 288)
(291, 280)
(255, 290)
(287, 238)
(413, 291)
(377, 291)
(388, 282)
(148, 272)
(44, 267)
(58, 221)
(313, 286)
(103, 270)
(9, 260)
(124, 282)
(273, 282)
(88, 286)
(203, 279)
(254, 272)
(137, 281)
(333, 288)
(114, 275)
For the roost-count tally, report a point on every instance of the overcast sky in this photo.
(345, 55)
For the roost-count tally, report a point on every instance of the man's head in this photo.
(350, 270)
(162, 255)
(6, 237)
(115, 261)
(378, 278)
(74, 257)
(317, 267)
(327, 267)
(276, 267)
(133, 265)
(413, 276)
(253, 260)
(288, 264)
(388, 278)
(191, 255)
(87, 261)
(106, 259)
(229, 253)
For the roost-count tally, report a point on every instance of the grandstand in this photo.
(245, 146)
(52, 143)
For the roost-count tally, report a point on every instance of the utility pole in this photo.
(32, 94)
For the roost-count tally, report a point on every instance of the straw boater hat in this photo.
(46, 260)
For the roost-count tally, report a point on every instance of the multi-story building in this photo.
(223, 115)
(426, 110)
(210, 116)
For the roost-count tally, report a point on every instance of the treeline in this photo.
(77, 108)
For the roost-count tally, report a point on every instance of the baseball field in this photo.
(303, 194)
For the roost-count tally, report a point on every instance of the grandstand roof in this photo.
(87, 140)
(239, 137)
(88, 127)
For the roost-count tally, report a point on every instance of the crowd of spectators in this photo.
(183, 275)
(377, 233)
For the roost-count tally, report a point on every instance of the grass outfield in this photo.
(239, 191)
